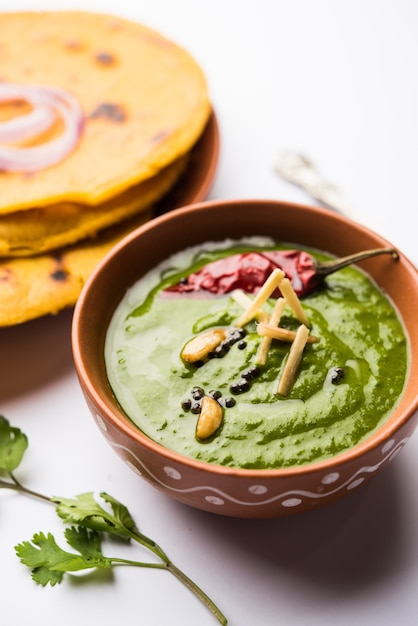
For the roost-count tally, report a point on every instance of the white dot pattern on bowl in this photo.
(330, 478)
(287, 499)
(388, 446)
(101, 422)
(290, 502)
(215, 500)
(258, 490)
(172, 473)
(134, 467)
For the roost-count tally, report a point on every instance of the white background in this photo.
(336, 80)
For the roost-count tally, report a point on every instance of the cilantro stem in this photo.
(199, 593)
(183, 578)
(179, 574)
(43, 555)
(150, 544)
(17, 486)
(120, 561)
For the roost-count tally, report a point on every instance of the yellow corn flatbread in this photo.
(144, 100)
(35, 231)
(32, 287)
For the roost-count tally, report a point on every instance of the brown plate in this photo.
(195, 183)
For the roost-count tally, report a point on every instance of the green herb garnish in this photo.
(89, 521)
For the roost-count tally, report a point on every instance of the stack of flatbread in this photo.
(142, 103)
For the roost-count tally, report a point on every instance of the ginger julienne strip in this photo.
(293, 301)
(282, 334)
(265, 292)
(293, 361)
(274, 320)
(245, 301)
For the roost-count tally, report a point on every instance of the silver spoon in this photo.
(299, 170)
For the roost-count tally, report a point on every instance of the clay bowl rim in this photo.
(117, 417)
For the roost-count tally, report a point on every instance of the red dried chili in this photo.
(249, 271)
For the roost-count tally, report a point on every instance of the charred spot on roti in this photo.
(59, 275)
(105, 58)
(111, 111)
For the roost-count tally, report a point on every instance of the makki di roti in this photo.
(34, 231)
(144, 101)
(129, 107)
(32, 287)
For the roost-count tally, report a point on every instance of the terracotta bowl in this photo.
(239, 492)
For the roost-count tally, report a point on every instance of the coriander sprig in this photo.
(13, 445)
(89, 521)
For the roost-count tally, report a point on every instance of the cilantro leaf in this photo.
(13, 444)
(120, 512)
(49, 562)
(85, 541)
(86, 511)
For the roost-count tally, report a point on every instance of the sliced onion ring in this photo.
(27, 126)
(46, 102)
